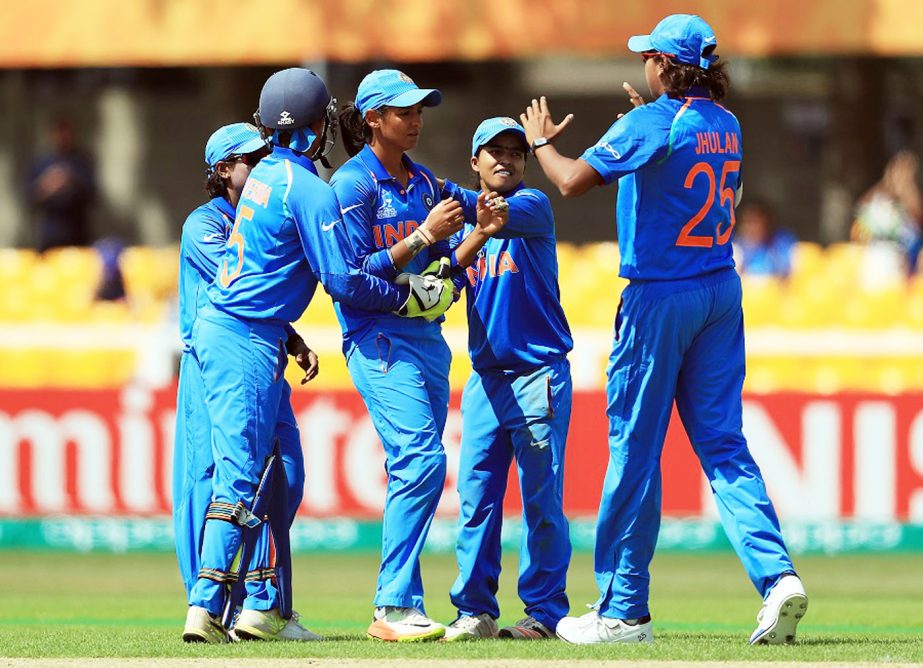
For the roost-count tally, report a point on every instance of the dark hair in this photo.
(355, 131)
(678, 78)
(215, 186)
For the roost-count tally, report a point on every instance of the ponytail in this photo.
(215, 186)
(678, 78)
(355, 131)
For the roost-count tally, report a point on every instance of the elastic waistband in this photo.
(686, 284)
(557, 363)
(243, 326)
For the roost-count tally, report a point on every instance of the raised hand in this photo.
(538, 122)
(633, 96)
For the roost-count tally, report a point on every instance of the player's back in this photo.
(264, 273)
(676, 213)
(205, 233)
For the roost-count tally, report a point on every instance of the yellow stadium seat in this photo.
(16, 267)
(807, 260)
(762, 298)
(25, 367)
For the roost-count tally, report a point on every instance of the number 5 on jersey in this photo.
(686, 237)
(236, 239)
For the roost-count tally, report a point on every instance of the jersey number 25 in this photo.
(686, 237)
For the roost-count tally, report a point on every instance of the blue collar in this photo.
(283, 153)
(371, 161)
(224, 207)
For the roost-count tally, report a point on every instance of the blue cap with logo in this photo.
(492, 127)
(233, 139)
(685, 37)
(393, 88)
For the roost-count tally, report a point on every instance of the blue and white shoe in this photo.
(783, 608)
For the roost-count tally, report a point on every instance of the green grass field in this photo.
(862, 608)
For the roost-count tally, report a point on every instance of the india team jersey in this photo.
(205, 234)
(288, 236)
(515, 319)
(677, 162)
(379, 212)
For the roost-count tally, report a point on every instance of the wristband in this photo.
(538, 142)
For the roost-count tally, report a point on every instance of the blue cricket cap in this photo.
(233, 139)
(685, 37)
(492, 127)
(393, 88)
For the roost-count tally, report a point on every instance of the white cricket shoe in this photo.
(468, 627)
(782, 610)
(403, 625)
(592, 628)
(526, 629)
(202, 627)
(270, 625)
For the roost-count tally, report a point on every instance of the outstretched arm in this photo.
(571, 177)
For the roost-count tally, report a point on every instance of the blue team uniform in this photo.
(287, 237)
(678, 333)
(400, 366)
(204, 237)
(517, 403)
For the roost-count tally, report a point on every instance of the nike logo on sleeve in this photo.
(326, 227)
(350, 208)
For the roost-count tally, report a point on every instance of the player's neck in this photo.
(392, 159)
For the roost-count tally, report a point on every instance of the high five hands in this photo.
(537, 121)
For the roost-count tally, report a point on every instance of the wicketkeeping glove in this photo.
(426, 292)
(441, 268)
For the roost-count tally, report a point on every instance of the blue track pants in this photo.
(405, 386)
(525, 416)
(242, 365)
(193, 475)
(681, 339)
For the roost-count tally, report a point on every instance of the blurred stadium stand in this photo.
(825, 329)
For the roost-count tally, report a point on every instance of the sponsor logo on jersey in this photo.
(606, 146)
(326, 227)
(386, 210)
(286, 118)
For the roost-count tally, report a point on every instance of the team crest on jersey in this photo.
(428, 201)
(406, 79)
(286, 118)
(386, 210)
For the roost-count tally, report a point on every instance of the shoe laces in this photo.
(407, 616)
(466, 623)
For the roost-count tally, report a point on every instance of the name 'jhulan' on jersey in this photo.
(678, 164)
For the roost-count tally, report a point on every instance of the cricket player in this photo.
(517, 402)
(678, 329)
(287, 237)
(396, 221)
(230, 154)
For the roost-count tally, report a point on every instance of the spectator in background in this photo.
(62, 187)
(111, 284)
(888, 217)
(761, 247)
